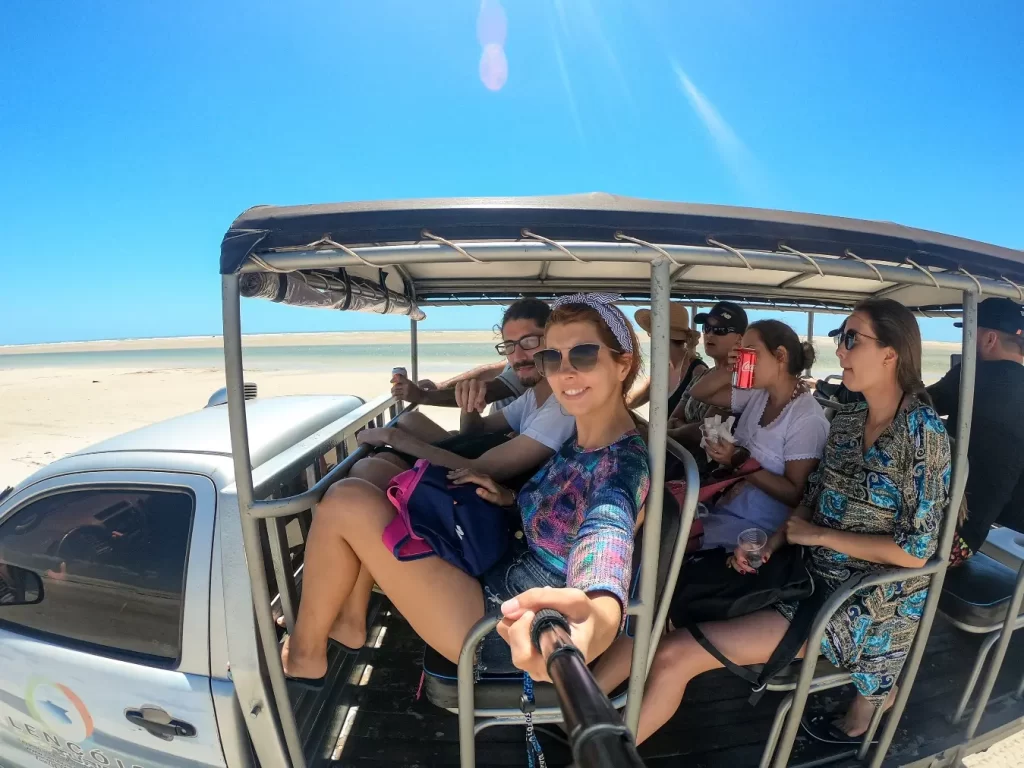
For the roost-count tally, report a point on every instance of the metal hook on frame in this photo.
(918, 267)
(874, 269)
(623, 236)
(264, 266)
(325, 240)
(733, 251)
(534, 236)
(1020, 291)
(976, 281)
(784, 247)
(458, 248)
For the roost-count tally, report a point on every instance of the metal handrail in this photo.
(996, 662)
(525, 250)
(303, 453)
(936, 568)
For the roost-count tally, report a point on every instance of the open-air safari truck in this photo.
(396, 257)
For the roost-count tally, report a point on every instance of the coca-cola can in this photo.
(743, 373)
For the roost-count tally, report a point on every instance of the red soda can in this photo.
(743, 373)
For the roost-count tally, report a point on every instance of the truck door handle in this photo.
(159, 723)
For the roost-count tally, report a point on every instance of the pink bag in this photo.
(398, 536)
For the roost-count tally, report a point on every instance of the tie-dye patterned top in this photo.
(579, 512)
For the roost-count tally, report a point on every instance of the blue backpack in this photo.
(450, 521)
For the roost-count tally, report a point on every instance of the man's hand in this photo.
(489, 490)
(376, 438)
(405, 390)
(471, 396)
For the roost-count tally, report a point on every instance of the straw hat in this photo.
(679, 322)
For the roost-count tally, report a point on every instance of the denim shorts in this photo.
(516, 572)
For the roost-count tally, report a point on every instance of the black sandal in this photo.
(309, 683)
(282, 631)
(823, 728)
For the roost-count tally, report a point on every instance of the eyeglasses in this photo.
(848, 338)
(717, 330)
(532, 341)
(582, 357)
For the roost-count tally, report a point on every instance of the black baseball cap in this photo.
(726, 315)
(1000, 315)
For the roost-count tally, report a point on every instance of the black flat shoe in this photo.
(342, 647)
(309, 683)
(824, 729)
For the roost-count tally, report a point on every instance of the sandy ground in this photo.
(1008, 753)
(46, 413)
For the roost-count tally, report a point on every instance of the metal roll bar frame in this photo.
(661, 287)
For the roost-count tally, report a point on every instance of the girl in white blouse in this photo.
(780, 424)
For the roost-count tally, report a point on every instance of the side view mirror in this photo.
(19, 586)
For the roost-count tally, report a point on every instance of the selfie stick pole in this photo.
(597, 733)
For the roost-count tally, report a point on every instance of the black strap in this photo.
(785, 652)
(348, 289)
(383, 276)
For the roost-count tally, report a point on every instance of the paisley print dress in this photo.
(898, 487)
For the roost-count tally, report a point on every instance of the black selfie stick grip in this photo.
(597, 734)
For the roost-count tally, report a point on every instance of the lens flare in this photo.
(491, 24)
(493, 67)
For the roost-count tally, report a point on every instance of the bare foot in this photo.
(858, 717)
(304, 665)
(349, 632)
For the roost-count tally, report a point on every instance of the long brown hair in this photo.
(581, 313)
(895, 326)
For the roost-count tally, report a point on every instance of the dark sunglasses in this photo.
(506, 348)
(848, 339)
(582, 357)
(717, 330)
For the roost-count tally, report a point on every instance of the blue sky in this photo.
(131, 134)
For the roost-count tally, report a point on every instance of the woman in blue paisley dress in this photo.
(876, 500)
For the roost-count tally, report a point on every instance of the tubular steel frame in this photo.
(661, 286)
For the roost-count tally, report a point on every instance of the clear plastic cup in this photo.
(752, 543)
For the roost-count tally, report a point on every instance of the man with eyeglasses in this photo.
(505, 445)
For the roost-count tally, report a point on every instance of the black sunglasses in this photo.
(848, 339)
(717, 330)
(506, 348)
(582, 357)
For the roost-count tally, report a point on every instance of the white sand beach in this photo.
(56, 407)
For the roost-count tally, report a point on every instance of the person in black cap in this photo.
(995, 482)
(723, 327)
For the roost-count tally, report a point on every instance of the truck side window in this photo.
(112, 562)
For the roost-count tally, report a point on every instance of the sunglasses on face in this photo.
(717, 330)
(848, 338)
(506, 348)
(582, 357)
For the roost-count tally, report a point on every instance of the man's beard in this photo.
(530, 377)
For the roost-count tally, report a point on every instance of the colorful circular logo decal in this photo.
(58, 709)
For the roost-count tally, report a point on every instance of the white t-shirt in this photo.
(799, 432)
(509, 379)
(549, 425)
